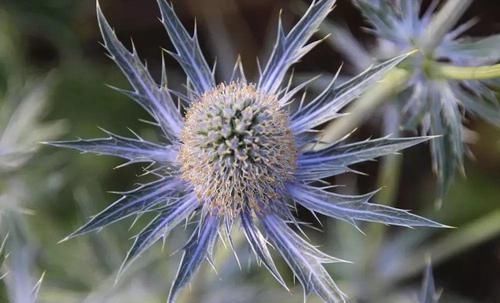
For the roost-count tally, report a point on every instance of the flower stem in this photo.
(393, 82)
(442, 23)
(449, 71)
(388, 180)
(459, 240)
(390, 169)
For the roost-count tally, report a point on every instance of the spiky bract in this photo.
(240, 155)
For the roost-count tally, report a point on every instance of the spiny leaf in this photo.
(147, 93)
(133, 203)
(447, 151)
(354, 208)
(289, 48)
(453, 120)
(488, 111)
(327, 105)
(259, 246)
(160, 227)
(134, 150)
(238, 72)
(335, 159)
(199, 246)
(386, 22)
(188, 49)
(304, 259)
(21, 123)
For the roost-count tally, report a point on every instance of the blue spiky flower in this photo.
(239, 156)
(432, 103)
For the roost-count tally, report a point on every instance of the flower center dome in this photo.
(237, 148)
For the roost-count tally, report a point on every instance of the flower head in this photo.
(237, 149)
(432, 103)
(240, 155)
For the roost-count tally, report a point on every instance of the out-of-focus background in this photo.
(50, 54)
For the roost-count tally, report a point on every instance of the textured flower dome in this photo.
(237, 149)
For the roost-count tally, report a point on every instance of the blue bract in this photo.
(239, 156)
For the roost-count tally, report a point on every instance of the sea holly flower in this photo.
(239, 156)
(437, 95)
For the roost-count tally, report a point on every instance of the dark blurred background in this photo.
(61, 38)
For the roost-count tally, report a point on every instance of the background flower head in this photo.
(430, 102)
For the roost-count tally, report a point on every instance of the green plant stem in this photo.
(479, 231)
(388, 181)
(381, 92)
(388, 177)
(449, 71)
(442, 22)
